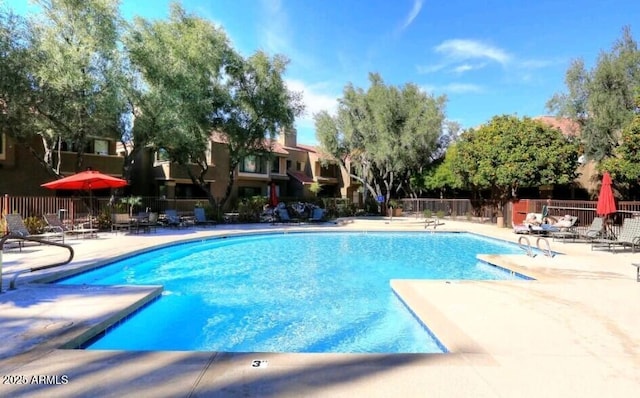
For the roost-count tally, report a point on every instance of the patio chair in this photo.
(54, 222)
(201, 218)
(173, 219)
(566, 228)
(629, 236)
(531, 223)
(16, 226)
(120, 221)
(595, 230)
(317, 215)
(282, 216)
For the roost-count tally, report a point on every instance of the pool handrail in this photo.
(12, 284)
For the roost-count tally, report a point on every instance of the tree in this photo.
(254, 105)
(509, 153)
(16, 99)
(181, 64)
(602, 100)
(442, 176)
(625, 166)
(74, 70)
(386, 132)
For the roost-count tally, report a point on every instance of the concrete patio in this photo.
(571, 332)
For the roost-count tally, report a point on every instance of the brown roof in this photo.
(300, 176)
(276, 147)
(566, 126)
(317, 150)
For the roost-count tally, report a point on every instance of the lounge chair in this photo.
(595, 230)
(531, 224)
(16, 226)
(174, 220)
(282, 216)
(566, 228)
(317, 215)
(201, 218)
(54, 222)
(629, 236)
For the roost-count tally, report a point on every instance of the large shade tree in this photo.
(194, 85)
(74, 73)
(601, 100)
(254, 107)
(625, 165)
(181, 63)
(386, 132)
(509, 153)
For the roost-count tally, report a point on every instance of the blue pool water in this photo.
(306, 292)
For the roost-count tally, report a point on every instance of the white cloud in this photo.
(453, 88)
(459, 88)
(430, 68)
(316, 97)
(415, 10)
(460, 50)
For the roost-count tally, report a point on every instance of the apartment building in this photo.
(21, 174)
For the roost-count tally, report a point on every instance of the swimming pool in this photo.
(296, 292)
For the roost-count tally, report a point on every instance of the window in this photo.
(288, 165)
(3, 144)
(300, 166)
(101, 147)
(275, 165)
(162, 155)
(247, 192)
(252, 164)
(72, 146)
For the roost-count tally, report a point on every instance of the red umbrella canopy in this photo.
(273, 196)
(86, 180)
(606, 202)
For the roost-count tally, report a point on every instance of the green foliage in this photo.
(131, 202)
(388, 133)
(104, 220)
(181, 62)
(440, 213)
(442, 176)
(625, 166)
(508, 153)
(601, 100)
(35, 225)
(315, 188)
(255, 104)
(75, 75)
(249, 209)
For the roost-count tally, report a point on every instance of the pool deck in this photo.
(572, 332)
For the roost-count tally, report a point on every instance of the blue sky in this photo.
(488, 57)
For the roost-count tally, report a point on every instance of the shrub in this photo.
(35, 225)
(104, 219)
(427, 213)
(249, 209)
(440, 213)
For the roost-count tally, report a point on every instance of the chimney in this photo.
(288, 137)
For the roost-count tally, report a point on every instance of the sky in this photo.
(489, 58)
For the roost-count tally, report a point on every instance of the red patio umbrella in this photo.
(86, 180)
(273, 195)
(606, 202)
